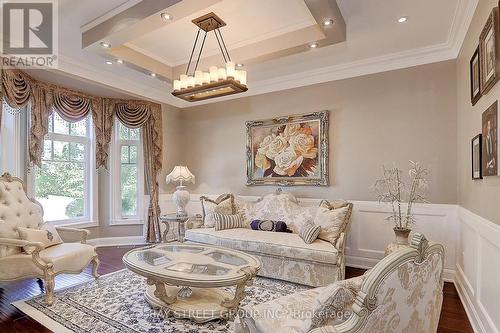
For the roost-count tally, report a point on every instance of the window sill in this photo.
(75, 224)
(118, 222)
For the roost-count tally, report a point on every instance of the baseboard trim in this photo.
(469, 307)
(117, 241)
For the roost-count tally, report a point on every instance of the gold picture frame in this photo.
(489, 52)
(288, 151)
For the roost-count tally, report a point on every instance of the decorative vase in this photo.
(402, 236)
(181, 199)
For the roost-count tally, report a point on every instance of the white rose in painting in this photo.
(287, 162)
(278, 144)
(303, 144)
(291, 130)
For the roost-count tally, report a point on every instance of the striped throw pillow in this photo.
(309, 233)
(225, 221)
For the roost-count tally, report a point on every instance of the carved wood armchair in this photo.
(17, 210)
(402, 293)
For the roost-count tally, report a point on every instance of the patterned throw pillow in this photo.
(335, 204)
(47, 234)
(269, 225)
(223, 221)
(332, 222)
(309, 233)
(224, 204)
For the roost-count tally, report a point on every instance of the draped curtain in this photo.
(18, 89)
(147, 117)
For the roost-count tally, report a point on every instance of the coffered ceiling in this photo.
(270, 37)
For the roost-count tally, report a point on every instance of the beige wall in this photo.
(480, 196)
(384, 118)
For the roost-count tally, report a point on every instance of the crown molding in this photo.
(409, 58)
(441, 52)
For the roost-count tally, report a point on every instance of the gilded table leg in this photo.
(95, 265)
(233, 304)
(167, 229)
(161, 292)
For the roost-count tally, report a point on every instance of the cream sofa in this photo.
(17, 210)
(402, 293)
(283, 255)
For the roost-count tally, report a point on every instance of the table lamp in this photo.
(180, 174)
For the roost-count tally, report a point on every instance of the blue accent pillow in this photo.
(268, 225)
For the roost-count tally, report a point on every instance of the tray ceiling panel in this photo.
(247, 22)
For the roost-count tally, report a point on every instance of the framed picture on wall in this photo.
(475, 79)
(490, 148)
(477, 172)
(290, 150)
(489, 54)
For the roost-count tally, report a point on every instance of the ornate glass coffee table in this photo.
(187, 279)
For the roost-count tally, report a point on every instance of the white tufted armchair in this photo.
(17, 210)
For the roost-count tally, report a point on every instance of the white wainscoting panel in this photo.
(478, 270)
(370, 231)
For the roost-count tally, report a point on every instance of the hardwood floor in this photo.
(453, 317)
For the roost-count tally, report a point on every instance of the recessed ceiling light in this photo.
(166, 16)
(119, 61)
(109, 62)
(153, 74)
(313, 45)
(239, 65)
(327, 22)
(403, 19)
(105, 45)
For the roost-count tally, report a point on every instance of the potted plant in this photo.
(401, 192)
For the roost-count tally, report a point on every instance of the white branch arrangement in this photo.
(402, 192)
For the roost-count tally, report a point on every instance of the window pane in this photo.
(124, 132)
(77, 152)
(79, 128)
(134, 134)
(59, 186)
(125, 154)
(133, 154)
(47, 150)
(129, 189)
(61, 151)
(60, 125)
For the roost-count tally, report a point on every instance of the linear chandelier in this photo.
(218, 81)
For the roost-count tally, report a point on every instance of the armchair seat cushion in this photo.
(285, 245)
(68, 257)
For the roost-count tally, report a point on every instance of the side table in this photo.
(169, 219)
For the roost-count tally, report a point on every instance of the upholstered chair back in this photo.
(16, 210)
(402, 293)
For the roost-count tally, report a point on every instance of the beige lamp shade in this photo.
(180, 174)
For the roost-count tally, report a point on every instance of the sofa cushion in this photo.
(224, 204)
(332, 222)
(225, 221)
(286, 245)
(283, 207)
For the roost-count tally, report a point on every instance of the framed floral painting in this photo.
(291, 150)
